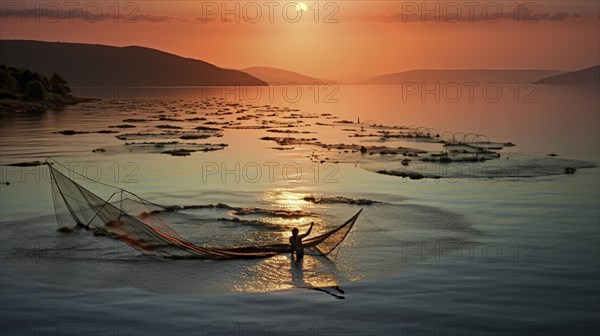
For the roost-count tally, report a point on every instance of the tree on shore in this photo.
(59, 86)
(24, 84)
(34, 91)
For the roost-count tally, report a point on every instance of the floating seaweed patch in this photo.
(122, 126)
(71, 132)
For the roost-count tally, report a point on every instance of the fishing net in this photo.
(138, 222)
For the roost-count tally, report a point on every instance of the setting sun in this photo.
(301, 6)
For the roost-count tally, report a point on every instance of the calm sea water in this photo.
(463, 256)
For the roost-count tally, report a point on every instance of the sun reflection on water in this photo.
(289, 200)
(286, 199)
(281, 272)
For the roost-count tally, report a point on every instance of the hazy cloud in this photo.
(558, 16)
(415, 12)
(155, 18)
(91, 14)
(78, 14)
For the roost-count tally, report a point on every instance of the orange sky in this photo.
(344, 40)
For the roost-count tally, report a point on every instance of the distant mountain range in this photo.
(461, 76)
(93, 64)
(275, 76)
(588, 76)
(86, 64)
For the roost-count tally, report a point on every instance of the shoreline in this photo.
(11, 106)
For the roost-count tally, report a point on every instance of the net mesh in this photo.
(328, 242)
(138, 223)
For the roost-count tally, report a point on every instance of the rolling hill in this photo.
(588, 76)
(86, 64)
(275, 76)
(460, 76)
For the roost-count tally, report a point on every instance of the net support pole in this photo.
(98, 211)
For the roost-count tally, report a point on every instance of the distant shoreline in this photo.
(13, 106)
(23, 90)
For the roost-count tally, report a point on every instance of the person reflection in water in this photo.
(296, 242)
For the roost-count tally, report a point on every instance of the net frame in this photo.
(157, 237)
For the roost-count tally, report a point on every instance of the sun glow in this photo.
(301, 6)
